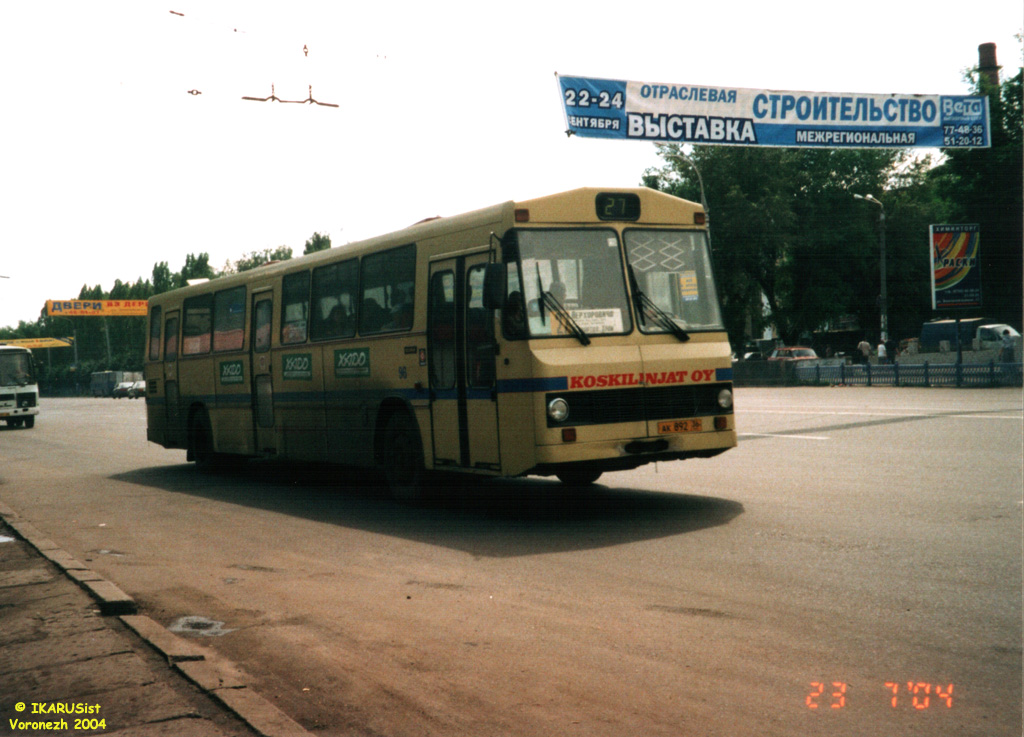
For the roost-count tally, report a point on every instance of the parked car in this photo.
(122, 389)
(792, 353)
(138, 389)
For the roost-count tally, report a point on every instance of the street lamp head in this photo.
(869, 198)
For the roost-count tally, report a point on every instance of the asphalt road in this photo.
(852, 568)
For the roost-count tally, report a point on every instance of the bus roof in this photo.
(658, 208)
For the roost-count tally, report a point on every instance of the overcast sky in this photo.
(110, 165)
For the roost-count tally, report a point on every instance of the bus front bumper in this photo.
(626, 453)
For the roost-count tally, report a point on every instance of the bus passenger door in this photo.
(262, 378)
(463, 399)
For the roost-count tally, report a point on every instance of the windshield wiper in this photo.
(559, 311)
(645, 305)
(564, 317)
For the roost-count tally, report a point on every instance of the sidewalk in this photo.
(77, 658)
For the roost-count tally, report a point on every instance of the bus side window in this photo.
(229, 319)
(295, 308)
(442, 330)
(261, 332)
(479, 331)
(334, 300)
(198, 325)
(386, 290)
(171, 339)
(513, 314)
(154, 333)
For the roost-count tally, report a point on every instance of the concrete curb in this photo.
(220, 679)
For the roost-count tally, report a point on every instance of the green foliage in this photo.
(197, 266)
(254, 259)
(163, 280)
(317, 242)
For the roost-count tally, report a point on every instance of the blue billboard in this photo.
(729, 116)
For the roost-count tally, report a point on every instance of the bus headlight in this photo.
(725, 399)
(558, 409)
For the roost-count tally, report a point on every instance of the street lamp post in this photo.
(881, 237)
(678, 155)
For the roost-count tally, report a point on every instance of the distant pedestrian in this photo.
(865, 350)
(1006, 352)
(882, 357)
(892, 350)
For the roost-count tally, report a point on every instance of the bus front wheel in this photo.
(403, 459)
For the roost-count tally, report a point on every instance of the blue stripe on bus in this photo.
(723, 374)
(552, 384)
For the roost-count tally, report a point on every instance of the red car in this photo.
(792, 353)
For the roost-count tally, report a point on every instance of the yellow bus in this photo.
(565, 335)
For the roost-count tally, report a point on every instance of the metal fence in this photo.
(920, 374)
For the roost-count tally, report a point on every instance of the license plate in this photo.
(674, 426)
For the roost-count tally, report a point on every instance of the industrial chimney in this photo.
(988, 68)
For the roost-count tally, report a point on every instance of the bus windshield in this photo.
(15, 369)
(672, 269)
(582, 270)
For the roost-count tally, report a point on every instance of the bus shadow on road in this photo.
(492, 518)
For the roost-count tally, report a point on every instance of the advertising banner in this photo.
(730, 116)
(956, 270)
(40, 342)
(96, 307)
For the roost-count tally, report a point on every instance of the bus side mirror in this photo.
(495, 279)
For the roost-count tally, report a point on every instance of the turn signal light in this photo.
(721, 423)
(522, 215)
(568, 434)
(699, 218)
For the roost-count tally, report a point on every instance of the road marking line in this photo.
(878, 414)
(780, 435)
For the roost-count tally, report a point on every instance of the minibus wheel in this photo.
(200, 442)
(579, 477)
(403, 459)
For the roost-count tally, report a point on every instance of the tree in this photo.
(317, 242)
(984, 186)
(258, 258)
(197, 266)
(163, 281)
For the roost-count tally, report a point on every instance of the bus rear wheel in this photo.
(579, 477)
(200, 443)
(403, 459)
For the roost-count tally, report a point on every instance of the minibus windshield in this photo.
(672, 269)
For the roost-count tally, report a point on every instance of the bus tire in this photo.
(403, 459)
(30, 422)
(200, 442)
(579, 477)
